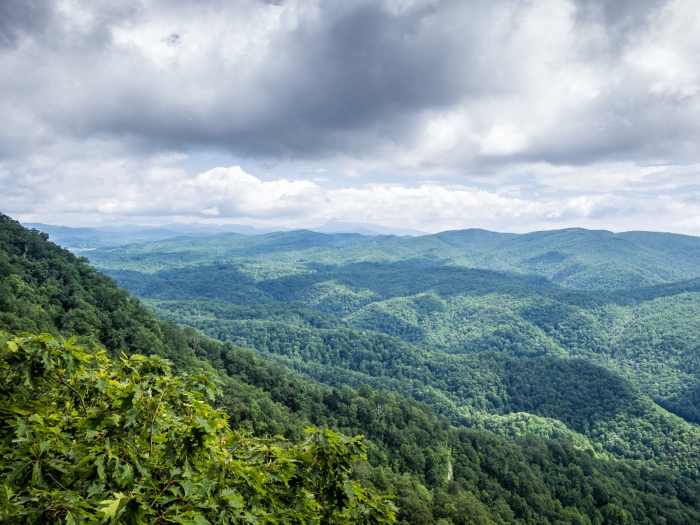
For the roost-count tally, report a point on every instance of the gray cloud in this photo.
(618, 15)
(19, 18)
(338, 77)
(362, 91)
(347, 77)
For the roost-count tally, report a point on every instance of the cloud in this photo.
(19, 18)
(164, 192)
(316, 78)
(534, 104)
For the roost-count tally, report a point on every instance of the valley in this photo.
(485, 395)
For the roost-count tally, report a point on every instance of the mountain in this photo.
(573, 258)
(457, 312)
(81, 239)
(457, 292)
(461, 332)
(584, 259)
(536, 459)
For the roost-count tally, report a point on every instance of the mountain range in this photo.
(550, 377)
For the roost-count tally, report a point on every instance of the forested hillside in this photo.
(573, 258)
(506, 420)
(622, 365)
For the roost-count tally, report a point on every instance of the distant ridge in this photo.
(574, 258)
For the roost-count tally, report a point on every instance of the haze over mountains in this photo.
(575, 258)
(88, 238)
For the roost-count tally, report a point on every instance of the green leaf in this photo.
(233, 498)
(37, 478)
(110, 507)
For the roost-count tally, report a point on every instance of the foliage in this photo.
(574, 258)
(437, 386)
(589, 399)
(88, 440)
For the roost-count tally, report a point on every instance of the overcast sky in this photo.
(425, 114)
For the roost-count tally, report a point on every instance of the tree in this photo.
(87, 439)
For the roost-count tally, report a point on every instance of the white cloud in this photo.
(160, 189)
(503, 139)
(433, 114)
(233, 192)
(667, 53)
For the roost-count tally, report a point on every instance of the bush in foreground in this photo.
(86, 439)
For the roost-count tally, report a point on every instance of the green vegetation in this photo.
(587, 398)
(573, 258)
(468, 340)
(88, 440)
(523, 427)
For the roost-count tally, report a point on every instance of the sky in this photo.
(510, 115)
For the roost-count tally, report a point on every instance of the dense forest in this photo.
(573, 258)
(513, 415)
(622, 365)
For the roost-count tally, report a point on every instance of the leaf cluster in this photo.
(88, 439)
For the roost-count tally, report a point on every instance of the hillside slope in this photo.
(436, 470)
(618, 364)
(573, 258)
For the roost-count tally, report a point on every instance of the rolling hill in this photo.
(572, 258)
(487, 395)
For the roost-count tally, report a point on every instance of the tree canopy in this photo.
(87, 439)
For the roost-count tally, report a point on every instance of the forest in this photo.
(483, 395)
(426, 316)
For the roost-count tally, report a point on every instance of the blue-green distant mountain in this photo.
(81, 239)
(573, 258)
(447, 318)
